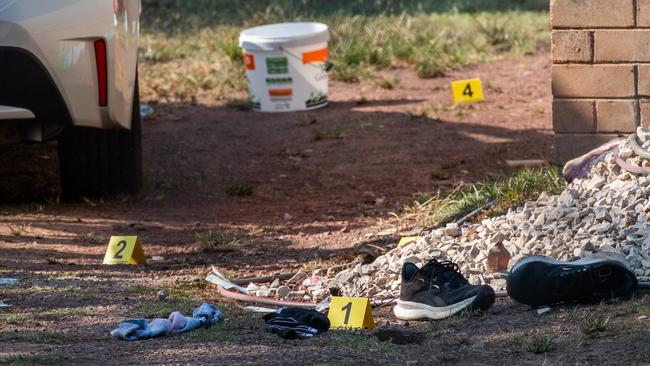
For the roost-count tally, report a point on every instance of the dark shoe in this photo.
(542, 281)
(438, 290)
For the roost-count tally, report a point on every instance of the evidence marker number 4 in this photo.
(467, 91)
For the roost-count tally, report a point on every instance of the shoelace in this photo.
(439, 268)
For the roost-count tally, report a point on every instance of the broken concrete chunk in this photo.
(452, 230)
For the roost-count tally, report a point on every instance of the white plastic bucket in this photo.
(286, 66)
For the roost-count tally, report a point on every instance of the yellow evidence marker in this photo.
(467, 91)
(124, 250)
(407, 239)
(350, 313)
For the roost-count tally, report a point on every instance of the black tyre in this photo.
(96, 162)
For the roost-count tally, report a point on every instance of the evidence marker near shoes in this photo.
(407, 240)
(124, 250)
(350, 313)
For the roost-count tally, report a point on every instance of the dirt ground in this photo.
(301, 189)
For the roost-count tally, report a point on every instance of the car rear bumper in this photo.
(61, 36)
(13, 113)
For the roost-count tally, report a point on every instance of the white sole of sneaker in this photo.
(408, 310)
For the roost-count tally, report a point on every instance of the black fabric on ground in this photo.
(296, 323)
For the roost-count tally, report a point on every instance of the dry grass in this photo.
(190, 58)
(430, 209)
(539, 342)
(220, 241)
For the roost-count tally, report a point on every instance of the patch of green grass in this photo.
(515, 342)
(29, 360)
(429, 209)
(540, 342)
(635, 306)
(641, 356)
(18, 319)
(219, 241)
(463, 340)
(171, 16)
(19, 290)
(388, 83)
(239, 189)
(212, 334)
(265, 229)
(60, 313)
(142, 290)
(447, 324)
(190, 289)
(227, 330)
(66, 276)
(358, 340)
(162, 309)
(32, 337)
(422, 112)
(230, 47)
(56, 314)
(593, 325)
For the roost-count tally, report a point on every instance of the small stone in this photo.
(331, 272)
(577, 252)
(596, 182)
(645, 263)
(498, 258)
(298, 277)
(275, 283)
(498, 283)
(625, 153)
(295, 295)
(333, 284)
(263, 291)
(283, 291)
(346, 276)
(161, 295)
(452, 230)
(320, 294)
(602, 213)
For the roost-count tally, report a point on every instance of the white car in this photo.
(68, 71)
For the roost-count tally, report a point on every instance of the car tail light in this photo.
(102, 77)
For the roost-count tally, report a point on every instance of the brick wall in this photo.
(601, 71)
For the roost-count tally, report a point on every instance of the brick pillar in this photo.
(601, 71)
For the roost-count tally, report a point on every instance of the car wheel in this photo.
(96, 162)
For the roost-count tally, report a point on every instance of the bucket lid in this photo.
(273, 36)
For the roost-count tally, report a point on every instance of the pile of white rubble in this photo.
(608, 210)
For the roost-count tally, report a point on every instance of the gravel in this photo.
(608, 210)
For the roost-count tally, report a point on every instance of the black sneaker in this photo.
(542, 281)
(438, 290)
